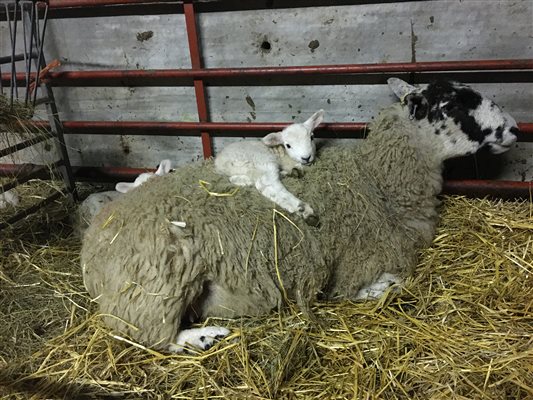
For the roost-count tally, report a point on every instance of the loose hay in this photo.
(461, 329)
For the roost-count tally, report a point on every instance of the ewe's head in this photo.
(463, 119)
(164, 167)
(298, 139)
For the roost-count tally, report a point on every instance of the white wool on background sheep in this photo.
(236, 256)
(89, 208)
(261, 163)
(9, 198)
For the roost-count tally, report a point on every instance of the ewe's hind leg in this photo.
(376, 289)
(271, 187)
(202, 338)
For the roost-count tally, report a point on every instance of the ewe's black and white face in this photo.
(464, 119)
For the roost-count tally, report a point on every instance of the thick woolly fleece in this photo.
(236, 256)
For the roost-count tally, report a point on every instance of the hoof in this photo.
(312, 220)
(200, 338)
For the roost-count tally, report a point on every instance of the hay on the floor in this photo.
(461, 329)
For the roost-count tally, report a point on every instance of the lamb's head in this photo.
(298, 139)
(164, 167)
(462, 118)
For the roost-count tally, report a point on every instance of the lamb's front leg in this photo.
(296, 171)
(378, 288)
(271, 187)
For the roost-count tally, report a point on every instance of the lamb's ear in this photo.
(314, 120)
(164, 167)
(124, 187)
(273, 139)
(400, 88)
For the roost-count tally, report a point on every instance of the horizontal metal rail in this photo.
(185, 77)
(30, 210)
(495, 189)
(225, 129)
(37, 172)
(99, 3)
(191, 128)
(23, 145)
(18, 57)
(102, 8)
(472, 188)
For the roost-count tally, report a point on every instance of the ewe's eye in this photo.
(287, 145)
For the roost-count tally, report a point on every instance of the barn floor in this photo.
(460, 330)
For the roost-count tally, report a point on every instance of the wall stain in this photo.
(146, 35)
(414, 39)
(125, 145)
(313, 45)
(250, 102)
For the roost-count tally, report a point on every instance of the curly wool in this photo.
(236, 256)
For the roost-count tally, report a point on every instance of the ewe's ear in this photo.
(124, 187)
(315, 120)
(273, 139)
(164, 167)
(400, 88)
(417, 105)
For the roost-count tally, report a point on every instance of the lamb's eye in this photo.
(312, 137)
(287, 145)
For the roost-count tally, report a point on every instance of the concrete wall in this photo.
(368, 33)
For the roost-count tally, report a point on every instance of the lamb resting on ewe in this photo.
(237, 256)
(260, 163)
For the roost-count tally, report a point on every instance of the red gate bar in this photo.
(223, 129)
(495, 189)
(100, 3)
(196, 63)
(165, 77)
(471, 188)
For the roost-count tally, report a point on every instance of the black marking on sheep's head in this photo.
(465, 119)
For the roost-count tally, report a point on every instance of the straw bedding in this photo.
(460, 330)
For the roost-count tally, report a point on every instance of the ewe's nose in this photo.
(511, 137)
(306, 160)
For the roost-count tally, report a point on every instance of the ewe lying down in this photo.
(239, 256)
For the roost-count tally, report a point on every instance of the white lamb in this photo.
(261, 163)
(9, 197)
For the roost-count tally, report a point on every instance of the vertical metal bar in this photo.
(27, 57)
(53, 115)
(40, 47)
(12, 37)
(196, 63)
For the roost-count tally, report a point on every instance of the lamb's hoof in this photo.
(312, 220)
(297, 173)
(307, 213)
(201, 338)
